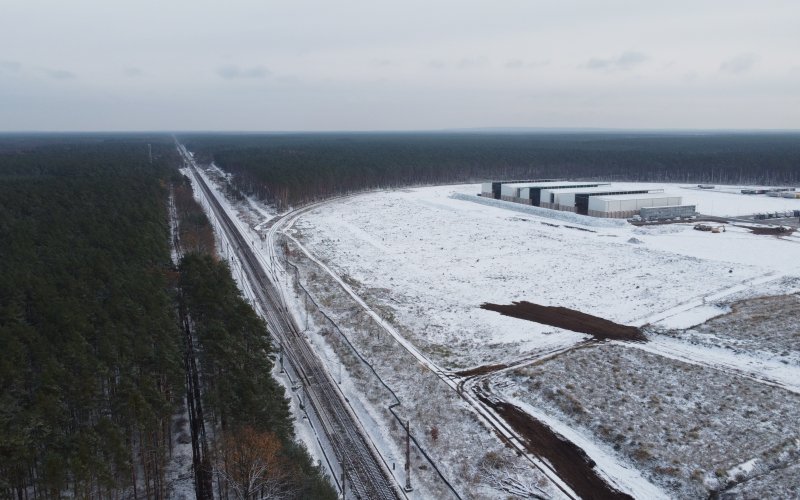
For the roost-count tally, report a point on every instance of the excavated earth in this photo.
(569, 319)
(570, 462)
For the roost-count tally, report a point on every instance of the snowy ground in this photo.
(426, 259)
(417, 264)
(753, 326)
(432, 260)
(687, 428)
(344, 337)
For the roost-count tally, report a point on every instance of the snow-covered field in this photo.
(433, 260)
(426, 259)
(685, 427)
(401, 275)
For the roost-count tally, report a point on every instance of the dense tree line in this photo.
(254, 453)
(195, 234)
(293, 169)
(90, 365)
(93, 361)
(249, 449)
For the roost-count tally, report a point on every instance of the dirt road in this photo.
(570, 462)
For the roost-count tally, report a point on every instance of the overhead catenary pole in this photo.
(408, 457)
(305, 308)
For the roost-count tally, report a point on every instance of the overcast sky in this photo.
(398, 65)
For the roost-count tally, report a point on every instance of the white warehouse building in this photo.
(577, 200)
(564, 199)
(623, 206)
(529, 192)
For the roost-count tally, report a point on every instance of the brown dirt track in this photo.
(570, 462)
(769, 231)
(481, 370)
(568, 319)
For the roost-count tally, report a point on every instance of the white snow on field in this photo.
(692, 317)
(622, 475)
(424, 260)
(434, 259)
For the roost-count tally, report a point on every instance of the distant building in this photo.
(598, 199)
(529, 192)
(668, 212)
(492, 189)
(582, 199)
(624, 206)
(564, 199)
(540, 195)
(577, 200)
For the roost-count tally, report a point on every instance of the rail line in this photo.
(364, 474)
(473, 397)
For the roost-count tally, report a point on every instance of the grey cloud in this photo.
(132, 72)
(690, 76)
(381, 62)
(231, 72)
(625, 61)
(520, 64)
(471, 62)
(436, 64)
(10, 66)
(59, 74)
(739, 64)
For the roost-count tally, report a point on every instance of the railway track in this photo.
(363, 473)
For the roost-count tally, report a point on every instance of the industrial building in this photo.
(597, 199)
(623, 206)
(567, 200)
(536, 194)
(582, 199)
(492, 189)
(529, 193)
(564, 199)
(669, 212)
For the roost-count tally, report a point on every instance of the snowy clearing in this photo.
(425, 259)
(684, 426)
(400, 276)
(432, 259)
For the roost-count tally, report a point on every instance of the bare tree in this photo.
(250, 467)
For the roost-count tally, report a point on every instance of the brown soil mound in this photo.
(568, 319)
(570, 462)
(773, 231)
(481, 370)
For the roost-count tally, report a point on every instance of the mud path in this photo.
(769, 231)
(570, 462)
(480, 370)
(569, 319)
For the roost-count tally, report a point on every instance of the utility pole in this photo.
(344, 483)
(305, 308)
(408, 457)
(281, 357)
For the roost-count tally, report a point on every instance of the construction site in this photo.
(596, 199)
(636, 373)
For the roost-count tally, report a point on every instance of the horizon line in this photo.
(498, 129)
